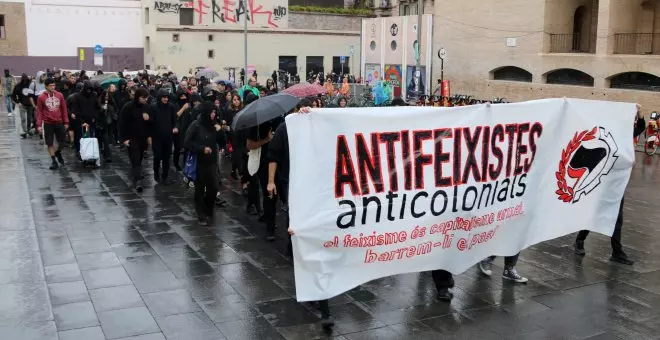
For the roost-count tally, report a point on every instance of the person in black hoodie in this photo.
(187, 118)
(278, 188)
(24, 97)
(121, 97)
(164, 130)
(203, 139)
(84, 111)
(135, 131)
(106, 124)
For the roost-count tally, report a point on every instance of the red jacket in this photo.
(51, 109)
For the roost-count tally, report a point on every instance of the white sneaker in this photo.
(9, 114)
(512, 275)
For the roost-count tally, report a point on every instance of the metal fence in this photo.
(637, 43)
(569, 43)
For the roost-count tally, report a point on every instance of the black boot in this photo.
(622, 258)
(579, 248)
(54, 165)
(59, 157)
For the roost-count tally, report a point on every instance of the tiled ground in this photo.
(83, 257)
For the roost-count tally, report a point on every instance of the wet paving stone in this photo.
(112, 298)
(83, 256)
(67, 292)
(122, 323)
(75, 315)
(106, 277)
(91, 333)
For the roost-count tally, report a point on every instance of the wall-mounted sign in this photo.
(98, 55)
(511, 42)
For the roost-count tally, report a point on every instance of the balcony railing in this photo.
(569, 43)
(637, 43)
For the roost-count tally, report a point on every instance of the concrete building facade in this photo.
(47, 34)
(209, 33)
(594, 49)
(13, 38)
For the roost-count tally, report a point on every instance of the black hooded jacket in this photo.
(132, 125)
(202, 134)
(85, 104)
(122, 96)
(21, 93)
(163, 117)
(190, 115)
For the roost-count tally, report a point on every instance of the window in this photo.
(210, 37)
(211, 54)
(512, 73)
(147, 45)
(3, 34)
(567, 76)
(175, 37)
(186, 16)
(340, 68)
(289, 64)
(146, 15)
(636, 81)
(314, 66)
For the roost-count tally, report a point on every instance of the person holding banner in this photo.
(278, 172)
(618, 255)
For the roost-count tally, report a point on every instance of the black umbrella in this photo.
(263, 110)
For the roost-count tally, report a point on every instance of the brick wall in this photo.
(322, 21)
(15, 42)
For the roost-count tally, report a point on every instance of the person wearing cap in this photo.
(52, 112)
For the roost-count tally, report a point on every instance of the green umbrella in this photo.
(106, 83)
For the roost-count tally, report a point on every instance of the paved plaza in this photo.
(84, 257)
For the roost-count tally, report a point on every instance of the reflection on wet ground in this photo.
(82, 256)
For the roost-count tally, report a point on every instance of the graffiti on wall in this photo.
(214, 12)
(171, 7)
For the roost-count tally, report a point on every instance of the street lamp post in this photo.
(245, 42)
(418, 64)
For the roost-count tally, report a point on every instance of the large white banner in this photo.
(381, 191)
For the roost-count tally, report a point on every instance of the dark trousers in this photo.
(509, 261)
(206, 187)
(617, 248)
(268, 202)
(162, 148)
(176, 155)
(105, 138)
(135, 154)
(442, 279)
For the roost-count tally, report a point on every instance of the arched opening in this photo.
(580, 30)
(578, 25)
(636, 81)
(569, 76)
(511, 73)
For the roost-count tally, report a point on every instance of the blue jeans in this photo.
(10, 104)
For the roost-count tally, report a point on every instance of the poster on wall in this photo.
(372, 73)
(393, 75)
(410, 81)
